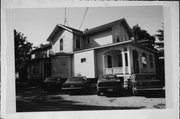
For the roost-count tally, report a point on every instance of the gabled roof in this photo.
(109, 25)
(73, 29)
(54, 33)
(60, 27)
(132, 42)
(89, 31)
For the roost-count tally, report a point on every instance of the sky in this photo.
(38, 23)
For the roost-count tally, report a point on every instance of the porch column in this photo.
(123, 63)
(129, 63)
(103, 62)
(140, 61)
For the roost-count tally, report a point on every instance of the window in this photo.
(144, 60)
(126, 59)
(83, 60)
(61, 44)
(151, 61)
(109, 61)
(125, 37)
(88, 40)
(77, 42)
(118, 38)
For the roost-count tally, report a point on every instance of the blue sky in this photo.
(38, 23)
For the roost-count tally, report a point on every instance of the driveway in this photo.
(34, 99)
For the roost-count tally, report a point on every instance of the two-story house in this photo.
(106, 49)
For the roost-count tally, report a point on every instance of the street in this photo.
(34, 99)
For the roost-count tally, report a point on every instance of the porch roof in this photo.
(104, 46)
(62, 54)
(132, 42)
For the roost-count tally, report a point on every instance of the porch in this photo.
(116, 62)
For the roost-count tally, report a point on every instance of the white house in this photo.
(106, 49)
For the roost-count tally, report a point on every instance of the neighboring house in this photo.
(40, 65)
(106, 49)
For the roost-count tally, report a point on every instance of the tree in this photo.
(159, 44)
(22, 51)
(143, 37)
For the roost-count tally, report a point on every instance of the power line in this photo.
(83, 18)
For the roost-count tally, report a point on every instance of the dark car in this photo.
(52, 84)
(76, 85)
(144, 83)
(109, 83)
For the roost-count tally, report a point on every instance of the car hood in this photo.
(104, 80)
(73, 82)
(147, 80)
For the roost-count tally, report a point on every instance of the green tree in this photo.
(22, 51)
(143, 37)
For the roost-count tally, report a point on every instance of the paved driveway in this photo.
(34, 99)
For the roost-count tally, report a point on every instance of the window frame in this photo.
(61, 44)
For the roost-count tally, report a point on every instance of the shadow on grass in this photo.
(57, 103)
(155, 94)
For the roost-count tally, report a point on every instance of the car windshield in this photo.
(51, 79)
(108, 77)
(145, 77)
(75, 79)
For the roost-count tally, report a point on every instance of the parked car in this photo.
(143, 83)
(76, 84)
(52, 84)
(109, 83)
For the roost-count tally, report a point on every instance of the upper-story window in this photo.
(77, 38)
(118, 39)
(61, 44)
(88, 40)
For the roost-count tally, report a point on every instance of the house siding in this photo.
(84, 64)
(104, 37)
(119, 30)
(67, 42)
(61, 66)
(99, 38)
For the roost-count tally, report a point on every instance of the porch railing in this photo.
(113, 70)
(116, 70)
